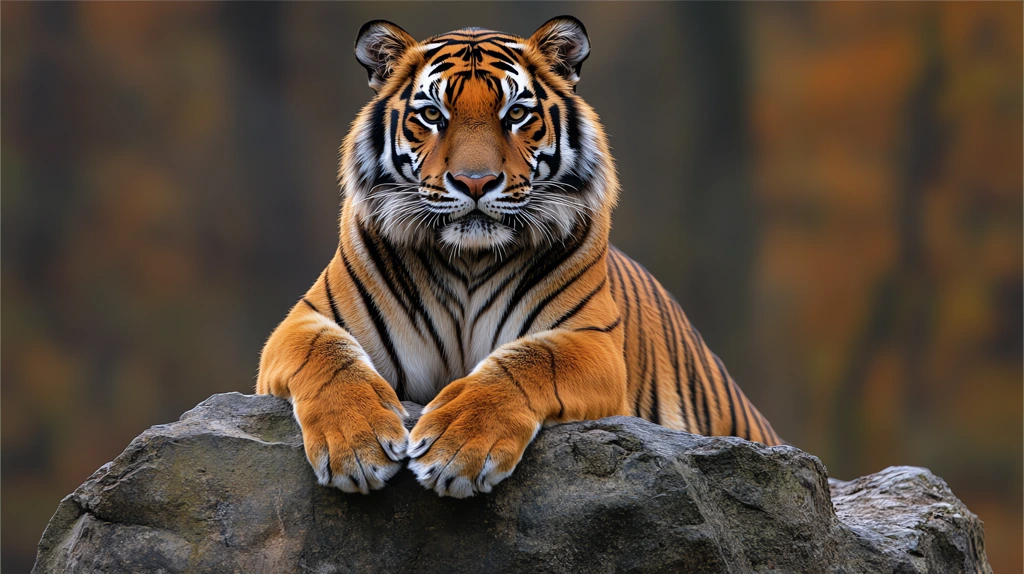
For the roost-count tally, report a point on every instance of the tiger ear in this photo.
(564, 41)
(379, 46)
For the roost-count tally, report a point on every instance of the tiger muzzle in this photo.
(475, 186)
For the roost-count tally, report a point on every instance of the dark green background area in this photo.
(832, 191)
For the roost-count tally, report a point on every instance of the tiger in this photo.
(474, 274)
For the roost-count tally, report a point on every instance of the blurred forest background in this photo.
(833, 191)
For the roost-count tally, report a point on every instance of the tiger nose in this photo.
(475, 187)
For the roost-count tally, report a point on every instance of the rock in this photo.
(227, 489)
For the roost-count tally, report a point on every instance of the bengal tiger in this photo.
(474, 274)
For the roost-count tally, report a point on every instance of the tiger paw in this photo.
(353, 434)
(471, 437)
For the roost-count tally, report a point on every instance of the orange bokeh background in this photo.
(833, 191)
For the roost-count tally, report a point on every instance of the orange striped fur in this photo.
(474, 274)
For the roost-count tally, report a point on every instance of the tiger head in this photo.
(476, 139)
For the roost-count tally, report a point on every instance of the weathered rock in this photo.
(227, 489)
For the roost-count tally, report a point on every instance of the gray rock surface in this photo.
(227, 489)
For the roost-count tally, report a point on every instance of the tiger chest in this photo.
(438, 340)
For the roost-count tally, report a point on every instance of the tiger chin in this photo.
(473, 274)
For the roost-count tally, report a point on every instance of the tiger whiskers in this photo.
(385, 188)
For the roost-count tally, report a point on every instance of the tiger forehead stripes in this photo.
(493, 67)
(473, 273)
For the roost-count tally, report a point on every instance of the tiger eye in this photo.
(431, 114)
(516, 113)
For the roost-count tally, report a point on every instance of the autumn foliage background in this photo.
(832, 191)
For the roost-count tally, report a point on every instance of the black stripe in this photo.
(607, 329)
(553, 159)
(541, 269)
(742, 400)
(538, 85)
(309, 353)
(575, 182)
(655, 407)
(337, 371)
(768, 429)
(516, 383)
(572, 123)
(663, 314)
(514, 54)
(698, 393)
(447, 267)
(379, 324)
(513, 87)
(701, 346)
(579, 306)
(430, 53)
(407, 91)
(441, 68)
(745, 407)
(442, 287)
(330, 298)
(490, 300)
(640, 328)
(541, 132)
(311, 306)
(503, 66)
(377, 126)
(554, 380)
(729, 394)
(438, 59)
(640, 391)
(673, 335)
(494, 294)
(442, 291)
(497, 56)
(399, 273)
(551, 296)
(691, 376)
(758, 418)
(411, 137)
(492, 271)
(388, 274)
(613, 259)
(415, 298)
(397, 159)
(678, 340)
(434, 89)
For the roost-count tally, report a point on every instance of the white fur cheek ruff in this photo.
(592, 163)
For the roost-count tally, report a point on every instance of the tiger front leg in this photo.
(351, 419)
(474, 433)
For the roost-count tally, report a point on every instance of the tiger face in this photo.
(476, 139)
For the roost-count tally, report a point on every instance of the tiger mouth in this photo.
(476, 216)
(477, 221)
(476, 230)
